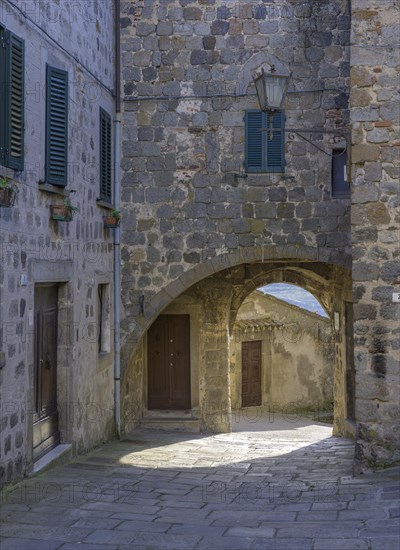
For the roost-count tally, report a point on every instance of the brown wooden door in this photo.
(251, 373)
(169, 363)
(45, 420)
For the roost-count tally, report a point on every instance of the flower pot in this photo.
(7, 197)
(61, 212)
(111, 221)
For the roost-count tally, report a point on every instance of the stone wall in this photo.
(76, 255)
(186, 203)
(375, 117)
(298, 354)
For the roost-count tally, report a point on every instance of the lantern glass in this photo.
(271, 90)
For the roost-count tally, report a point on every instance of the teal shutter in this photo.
(2, 95)
(15, 102)
(105, 156)
(265, 149)
(275, 141)
(56, 126)
(255, 139)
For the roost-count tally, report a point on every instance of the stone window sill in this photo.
(104, 204)
(55, 189)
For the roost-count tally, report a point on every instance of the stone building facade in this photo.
(375, 119)
(64, 262)
(199, 232)
(294, 354)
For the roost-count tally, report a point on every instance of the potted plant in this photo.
(112, 219)
(63, 212)
(8, 192)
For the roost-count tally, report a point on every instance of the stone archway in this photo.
(217, 289)
(134, 328)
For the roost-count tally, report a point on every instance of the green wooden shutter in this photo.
(275, 141)
(56, 126)
(255, 140)
(265, 149)
(12, 104)
(14, 115)
(2, 95)
(105, 156)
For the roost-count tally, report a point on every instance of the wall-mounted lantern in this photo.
(271, 89)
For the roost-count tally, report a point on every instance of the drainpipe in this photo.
(117, 231)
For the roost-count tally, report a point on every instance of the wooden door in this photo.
(251, 373)
(45, 420)
(169, 363)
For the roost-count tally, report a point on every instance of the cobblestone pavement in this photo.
(279, 485)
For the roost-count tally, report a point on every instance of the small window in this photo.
(265, 142)
(12, 71)
(103, 319)
(56, 126)
(105, 156)
(340, 185)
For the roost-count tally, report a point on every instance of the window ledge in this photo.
(105, 204)
(55, 189)
(7, 172)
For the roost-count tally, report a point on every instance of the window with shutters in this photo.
(265, 142)
(12, 103)
(56, 126)
(105, 156)
(340, 185)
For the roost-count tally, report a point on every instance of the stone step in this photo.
(171, 424)
(61, 454)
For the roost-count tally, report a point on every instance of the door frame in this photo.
(260, 342)
(45, 273)
(37, 371)
(170, 323)
(181, 306)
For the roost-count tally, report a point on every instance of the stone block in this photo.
(209, 42)
(192, 13)
(365, 193)
(378, 135)
(250, 26)
(365, 114)
(365, 271)
(268, 27)
(277, 194)
(285, 210)
(303, 210)
(378, 214)
(198, 57)
(164, 28)
(219, 27)
(266, 210)
(145, 29)
(202, 29)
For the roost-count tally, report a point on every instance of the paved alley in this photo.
(273, 484)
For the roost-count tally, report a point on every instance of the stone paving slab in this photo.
(249, 490)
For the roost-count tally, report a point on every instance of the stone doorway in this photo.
(46, 434)
(169, 363)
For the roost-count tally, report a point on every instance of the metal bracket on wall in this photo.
(337, 136)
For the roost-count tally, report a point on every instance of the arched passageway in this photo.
(180, 375)
(282, 356)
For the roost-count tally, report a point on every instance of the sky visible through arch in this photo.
(294, 295)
